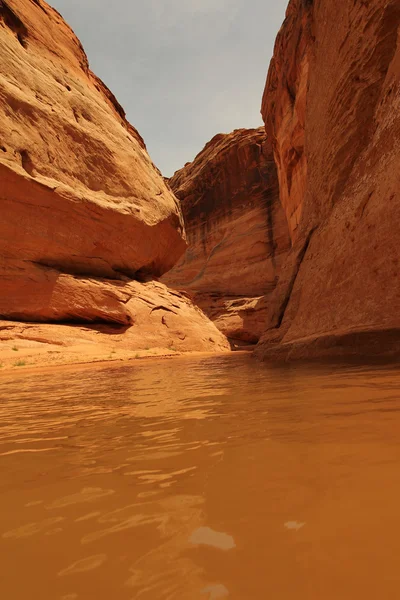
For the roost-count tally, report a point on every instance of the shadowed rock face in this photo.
(80, 197)
(236, 230)
(331, 107)
(284, 107)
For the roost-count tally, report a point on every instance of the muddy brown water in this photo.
(201, 478)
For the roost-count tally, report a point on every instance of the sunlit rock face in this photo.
(80, 197)
(106, 314)
(236, 230)
(331, 108)
(78, 188)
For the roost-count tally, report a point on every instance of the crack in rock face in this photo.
(14, 23)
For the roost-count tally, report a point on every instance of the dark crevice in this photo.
(146, 301)
(26, 162)
(111, 328)
(363, 205)
(95, 323)
(76, 115)
(238, 344)
(13, 22)
(293, 160)
(142, 275)
(269, 205)
(269, 196)
(68, 269)
(178, 294)
(299, 260)
(86, 116)
(21, 40)
(292, 93)
(126, 300)
(78, 272)
(163, 308)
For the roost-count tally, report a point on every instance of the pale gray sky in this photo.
(183, 70)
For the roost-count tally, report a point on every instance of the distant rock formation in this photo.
(332, 111)
(83, 209)
(236, 229)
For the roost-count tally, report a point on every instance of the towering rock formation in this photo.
(332, 110)
(236, 229)
(84, 210)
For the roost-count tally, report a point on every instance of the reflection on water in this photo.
(200, 479)
(294, 525)
(209, 537)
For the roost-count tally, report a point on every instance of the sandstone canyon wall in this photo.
(85, 214)
(332, 111)
(236, 229)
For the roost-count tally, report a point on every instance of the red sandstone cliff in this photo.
(332, 110)
(236, 230)
(82, 204)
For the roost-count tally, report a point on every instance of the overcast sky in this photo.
(183, 70)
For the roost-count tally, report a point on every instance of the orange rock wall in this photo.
(338, 291)
(84, 210)
(77, 186)
(284, 107)
(236, 229)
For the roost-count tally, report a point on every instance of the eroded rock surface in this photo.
(236, 229)
(332, 110)
(82, 205)
(94, 319)
(242, 319)
(78, 189)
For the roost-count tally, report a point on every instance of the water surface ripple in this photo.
(200, 478)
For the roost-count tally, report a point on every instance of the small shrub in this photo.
(20, 363)
(15, 348)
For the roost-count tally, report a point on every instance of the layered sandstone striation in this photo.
(236, 229)
(332, 110)
(133, 320)
(84, 210)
